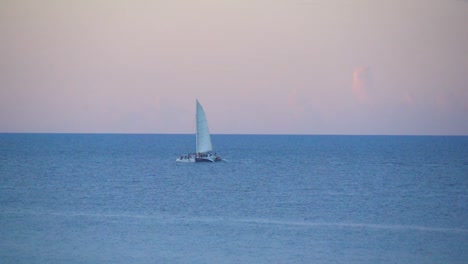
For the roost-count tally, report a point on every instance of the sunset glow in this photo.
(268, 67)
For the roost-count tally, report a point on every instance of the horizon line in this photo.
(233, 134)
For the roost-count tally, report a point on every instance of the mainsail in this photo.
(203, 135)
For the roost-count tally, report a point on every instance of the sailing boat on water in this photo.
(204, 148)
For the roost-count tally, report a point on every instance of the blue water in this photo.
(67, 198)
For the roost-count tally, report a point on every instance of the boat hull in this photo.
(185, 159)
(208, 159)
(199, 159)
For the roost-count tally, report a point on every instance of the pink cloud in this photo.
(408, 98)
(361, 83)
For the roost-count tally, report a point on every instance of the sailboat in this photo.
(204, 149)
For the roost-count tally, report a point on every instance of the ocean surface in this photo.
(98, 198)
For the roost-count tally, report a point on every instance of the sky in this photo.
(395, 67)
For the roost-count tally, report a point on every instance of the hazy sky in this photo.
(257, 66)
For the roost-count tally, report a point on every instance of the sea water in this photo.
(97, 198)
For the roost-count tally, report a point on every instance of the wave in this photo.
(258, 221)
(356, 225)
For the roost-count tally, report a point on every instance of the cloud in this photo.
(362, 82)
(408, 98)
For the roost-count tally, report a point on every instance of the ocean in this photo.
(111, 198)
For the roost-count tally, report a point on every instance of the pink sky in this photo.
(257, 66)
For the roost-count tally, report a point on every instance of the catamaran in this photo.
(204, 149)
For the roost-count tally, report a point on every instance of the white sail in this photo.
(203, 135)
